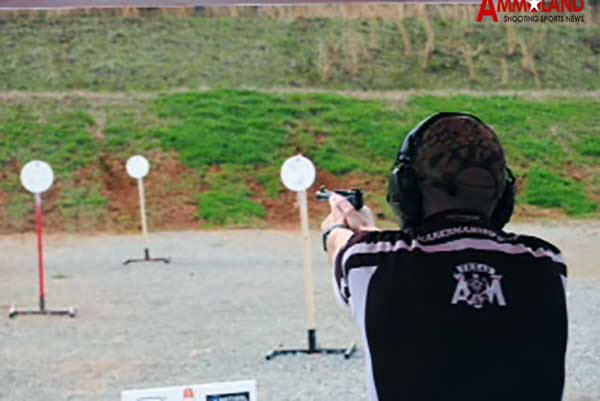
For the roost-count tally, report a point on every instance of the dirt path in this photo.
(227, 298)
(394, 95)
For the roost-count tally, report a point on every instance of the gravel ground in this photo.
(213, 313)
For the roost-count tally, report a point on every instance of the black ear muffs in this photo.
(404, 194)
(506, 204)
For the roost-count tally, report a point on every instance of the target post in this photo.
(40, 248)
(138, 167)
(298, 173)
(37, 177)
(142, 195)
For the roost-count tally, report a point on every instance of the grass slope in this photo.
(157, 53)
(235, 141)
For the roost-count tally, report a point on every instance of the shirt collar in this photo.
(454, 217)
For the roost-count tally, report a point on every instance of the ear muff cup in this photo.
(506, 204)
(404, 195)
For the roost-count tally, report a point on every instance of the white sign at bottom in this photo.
(231, 391)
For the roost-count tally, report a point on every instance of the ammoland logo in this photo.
(551, 11)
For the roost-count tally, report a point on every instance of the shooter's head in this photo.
(451, 161)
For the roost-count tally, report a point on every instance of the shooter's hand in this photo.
(343, 215)
(342, 212)
(335, 218)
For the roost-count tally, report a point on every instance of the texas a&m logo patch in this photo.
(477, 284)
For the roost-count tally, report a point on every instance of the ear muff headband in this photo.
(404, 195)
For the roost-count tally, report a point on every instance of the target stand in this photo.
(147, 258)
(298, 173)
(37, 177)
(14, 312)
(138, 167)
(313, 348)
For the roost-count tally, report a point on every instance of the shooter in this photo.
(451, 307)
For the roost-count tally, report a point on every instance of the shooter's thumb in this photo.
(342, 204)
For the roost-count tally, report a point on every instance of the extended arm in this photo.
(343, 213)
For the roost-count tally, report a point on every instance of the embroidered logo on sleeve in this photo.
(477, 284)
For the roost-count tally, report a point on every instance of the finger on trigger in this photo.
(344, 205)
(333, 201)
(334, 204)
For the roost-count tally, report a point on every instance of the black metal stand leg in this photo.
(312, 340)
(313, 349)
(14, 312)
(147, 258)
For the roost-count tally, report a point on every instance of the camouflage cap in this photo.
(463, 156)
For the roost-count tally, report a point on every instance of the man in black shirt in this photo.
(451, 307)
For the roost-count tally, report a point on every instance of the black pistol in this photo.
(354, 196)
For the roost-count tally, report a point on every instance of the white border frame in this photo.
(201, 391)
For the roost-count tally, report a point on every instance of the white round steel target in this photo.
(137, 166)
(298, 173)
(37, 176)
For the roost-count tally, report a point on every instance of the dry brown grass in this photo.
(400, 14)
(100, 119)
(529, 52)
(345, 53)
(430, 43)
(591, 16)
(511, 39)
(327, 60)
(357, 50)
(469, 55)
(131, 12)
(390, 12)
(179, 12)
(505, 78)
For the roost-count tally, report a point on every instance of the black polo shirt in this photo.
(457, 311)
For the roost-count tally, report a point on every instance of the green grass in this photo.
(158, 53)
(549, 190)
(82, 203)
(21, 207)
(62, 136)
(228, 201)
(244, 128)
(236, 140)
(589, 145)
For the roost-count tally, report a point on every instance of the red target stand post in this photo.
(138, 167)
(37, 177)
(298, 174)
